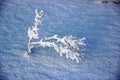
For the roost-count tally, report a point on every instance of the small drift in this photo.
(108, 2)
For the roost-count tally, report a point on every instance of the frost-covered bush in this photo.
(67, 45)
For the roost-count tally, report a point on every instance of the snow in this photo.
(99, 24)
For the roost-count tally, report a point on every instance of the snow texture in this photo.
(99, 23)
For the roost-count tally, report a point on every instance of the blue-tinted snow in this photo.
(100, 24)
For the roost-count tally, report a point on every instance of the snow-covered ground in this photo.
(99, 23)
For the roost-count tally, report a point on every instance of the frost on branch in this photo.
(33, 32)
(68, 45)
